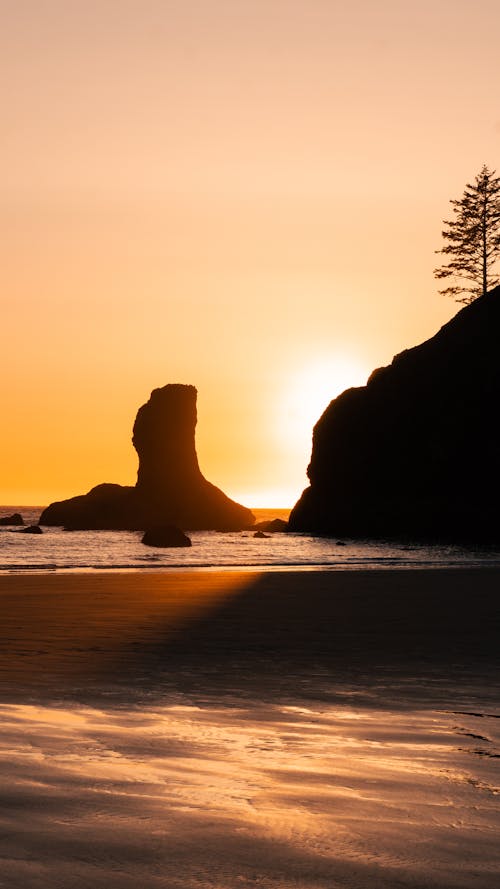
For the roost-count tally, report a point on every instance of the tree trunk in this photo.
(485, 252)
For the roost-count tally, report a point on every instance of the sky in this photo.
(241, 195)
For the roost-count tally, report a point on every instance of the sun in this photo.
(311, 389)
(297, 406)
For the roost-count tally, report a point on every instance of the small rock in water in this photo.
(14, 519)
(340, 543)
(260, 534)
(31, 529)
(165, 535)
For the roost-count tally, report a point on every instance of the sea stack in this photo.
(164, 438)
(415, 453)
(169, 479)
(170, 487)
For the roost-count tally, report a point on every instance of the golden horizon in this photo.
(233, 196)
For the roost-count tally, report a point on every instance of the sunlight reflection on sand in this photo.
(290, 730)
(268, 796)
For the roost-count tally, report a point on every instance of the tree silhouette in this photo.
(473, 239)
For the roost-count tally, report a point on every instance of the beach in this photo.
(283, 728)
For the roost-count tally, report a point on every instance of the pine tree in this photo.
(473, 239)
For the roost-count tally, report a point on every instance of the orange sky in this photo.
(245, 196)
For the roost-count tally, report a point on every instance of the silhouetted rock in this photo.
(170, 488)
(415, 453)
(14, 519)
(165, 535)
(169, 474)
(31, 529)
(107, 507)
(274, 525)
(260, 534)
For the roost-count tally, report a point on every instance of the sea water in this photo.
(59, 550)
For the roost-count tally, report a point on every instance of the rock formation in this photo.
(165, 536)
(415, 453)
(274, 525)
(14, 519)
(170, 487)
(107, 506)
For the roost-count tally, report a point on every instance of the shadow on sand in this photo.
(316, 634)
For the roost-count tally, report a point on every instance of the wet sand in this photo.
(311, 729)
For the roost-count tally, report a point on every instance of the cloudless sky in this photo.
(245, 196)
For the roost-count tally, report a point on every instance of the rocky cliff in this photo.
(415, 453)
(170, 487)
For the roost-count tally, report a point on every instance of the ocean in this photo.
(59, 550)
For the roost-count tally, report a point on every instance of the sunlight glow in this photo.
(296, 411)
(312, 388)
(270, 498)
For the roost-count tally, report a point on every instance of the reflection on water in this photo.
(271, 796)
